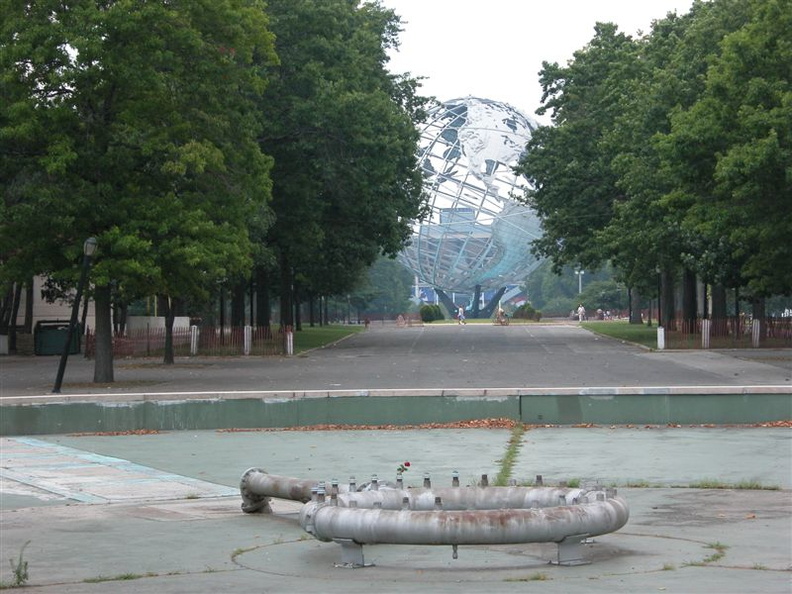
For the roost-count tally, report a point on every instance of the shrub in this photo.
(527, 312)
(430, 313)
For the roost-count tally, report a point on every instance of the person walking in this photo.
(581, 311)
(461, 315)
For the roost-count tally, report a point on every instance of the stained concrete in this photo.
(161, 512)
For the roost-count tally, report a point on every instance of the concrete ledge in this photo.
(275, 395)
(58, 413)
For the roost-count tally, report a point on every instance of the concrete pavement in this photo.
(160, 512)
(430, 357)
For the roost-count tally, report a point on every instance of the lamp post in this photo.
(579, 274)
(89, 248)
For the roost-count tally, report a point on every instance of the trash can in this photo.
(49, 337)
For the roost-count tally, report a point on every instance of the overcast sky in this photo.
(494, 48)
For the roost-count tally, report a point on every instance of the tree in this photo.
(731, 151)
(669, 151)
(133, 123)
(574, 187)
(340, 128)
(386, 288)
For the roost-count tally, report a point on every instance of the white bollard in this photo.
(247, 340)
(660, 338)
(194, 334)
(706, 330)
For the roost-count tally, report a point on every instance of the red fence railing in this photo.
(730, 333)
(206, 341)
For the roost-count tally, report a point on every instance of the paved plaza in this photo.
(160, 512)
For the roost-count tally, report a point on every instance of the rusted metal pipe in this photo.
(256, 487)
(384, 513)
(465, 498)
(444, 527)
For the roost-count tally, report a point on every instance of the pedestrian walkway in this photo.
(161, 512)
(50, 471)
(165, 509)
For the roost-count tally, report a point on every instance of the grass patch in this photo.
(623, 330)
(638, 484)
(534, 577)
(118, 578)
(507, 462)
(310, 338)
(719, 552)
(20, 570)
(742, 485)
(241, 551)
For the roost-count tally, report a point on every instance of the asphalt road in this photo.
(446, 356)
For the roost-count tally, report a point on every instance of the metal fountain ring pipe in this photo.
(462, 498)
(505, 526)
(257, 486)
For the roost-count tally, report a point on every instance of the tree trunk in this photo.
(635, 306)
(263, 306)
(6, 306)
(170, 316)
(84, 316)
(286, 297)
(238, 305)
(719, 314)
(667, 308)
(29, 307)
(12, 329)
(222, 307)
(689, 309)
(297, 308)
(103, 364)
(759, 312)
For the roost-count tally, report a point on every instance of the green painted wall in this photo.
(90, 417)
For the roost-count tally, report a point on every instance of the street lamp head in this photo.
(89, 247)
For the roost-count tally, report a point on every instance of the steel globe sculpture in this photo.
(477, 236)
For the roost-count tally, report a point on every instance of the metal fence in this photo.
(209, 341)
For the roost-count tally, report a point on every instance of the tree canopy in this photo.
(196, 140)
(671, 151)
(340, 128)
(135, 123)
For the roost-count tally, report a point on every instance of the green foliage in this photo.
(340, 129)
(385, 289)
(671, 152)
(574, 186)
(623, 330)
(556, 294)
(509, 458)
(731, 150)
(527, 312)
(135, 123)
(19, 568)
(319, 336)
(431, 313)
